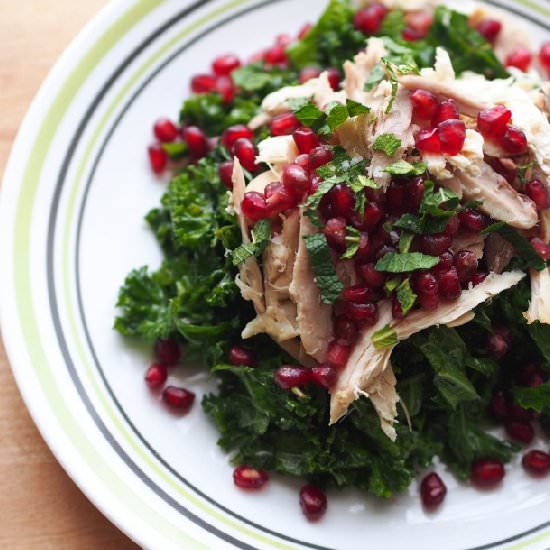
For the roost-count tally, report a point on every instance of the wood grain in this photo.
(40, 506)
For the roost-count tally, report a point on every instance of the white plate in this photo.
(73, 200)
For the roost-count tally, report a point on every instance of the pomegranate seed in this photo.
(245, 151)
(369, 19)
(514, 141)
(308, 73)
(254, 206)
(225, 171)
(156, 375)
(466, 264)
(531, 375)
(304, 30)
(396, 309)
(343, 200)
(397, 198)
(324, 377)
(247, 477)
(306, 140)
(291, 377)
(425, 283)
(284, 39)
(536, 462)
(472, 220)
(295, 178)
(167, 351)
(359, 294)
(375, 279)
(452, 135)
(487, 472)
(165, 130)
(520, 431)
(279, 198)
(303, 161)
(537, 192)
(425, 104)
(489, 29)
(415, 190)
(203, 83)
(499, 342)
(333, 76)
(545, 54)
(412, 35)
(284, 125)
(477, 278)
(447, 110)
(435, 245)
(335, 232)
(492, 123)
(178, 398)
(226, 88)
(337, 354)
(196, 141)
(366, 314)
(225, 64)
(449, 285)
(452, 226)
(428, 302)
(520, 57)
(158, 159)
(517, 412)
(276, 55)
(499, 406)
(432, 490)
(344, 331)
(421, 21)
(427, 141)
(542, 248)
(445, 263)
(239, 356)
(319, 157)
(313, 502)
(233, 133)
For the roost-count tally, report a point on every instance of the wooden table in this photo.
(40, 506)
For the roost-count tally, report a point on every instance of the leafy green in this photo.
(405, 296)
(393, 262)
(176, 149)
(337, 114)
(405, 241)
(355, 108)
(404, 168)
(385, 338)
(308, 113)
(255, 78)
(260, 239)
(540, 333)
(387, 144)
(536, 398)
(353, 240)
(321, 262)
(522, 246)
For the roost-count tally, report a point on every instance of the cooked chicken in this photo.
(277, 152)
(498, 253)
(259, 183)
(469, 241)
(383, 394)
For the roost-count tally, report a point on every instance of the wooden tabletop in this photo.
(40, 506)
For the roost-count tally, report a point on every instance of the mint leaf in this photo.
(540, 333)
(393, 24)
(537, 398)
(392, 284)
(393, 262)
(376, 76)
(387, 144)
(355, 108)
(404, 168)
(308, 113)
(337, 114)
(385, 338)
(328, 282)
(175, 149)
(405, 295)
(313, 201)
(261, 235)
(353, 240)
(433, 200)
(523, 247)
(405, 241)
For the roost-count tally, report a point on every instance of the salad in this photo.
(356, 236)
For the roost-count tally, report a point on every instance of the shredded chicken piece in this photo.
(469, 241)
(345, 269)
(277, 152)
(383, 394)
(260, 182)
(466, 318)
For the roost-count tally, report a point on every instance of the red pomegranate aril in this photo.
(359, 294)
(447, 110)
(453, 226)
(296, 179)
(478, 277)
(319, 156)
(279, 198)
(292, 377)
(156, 375)
(313, 502)
(489, 29)
(372, 216)
(226, 88)
(196, 141)
(466, 264)
(284, 124)
(245, 151)
(415, 190)
(324, 376)
(531, 375)
(517, 412)
(284, 39)
(276, 55)
(412, 35)
(487, 472)
(396, 309)
(345, 331)
(425, 104)
(240, 356)
(428, 302)
(233, 133)
(499, 407)
(158, 159)
(333, 76)
(362, 313)
(537, 192)
(375, 279)
(367, 248)
(247, 477)
(254, 206)
(452, 135)
(536, 462)
(308, 73)
(225, 171)
(203, 83)
(435, 245)
(514, 141)
(397, 198)
(520, 57)
(542, 248)
(225, 64)
(302, 161)
(445, 263)
(427, 141)
(449, 285)
(421, 21)
(432, 490)
(306, 140)
(179, 399)
(425, 283)
(304, 30)
(492, 123)
(337, 354)
(343, 200)
(335, 232)
(520, 431)
(472, 220)
(165, 130)
(544, 55)
(369, 19)
(499, 342)
(167, 351)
